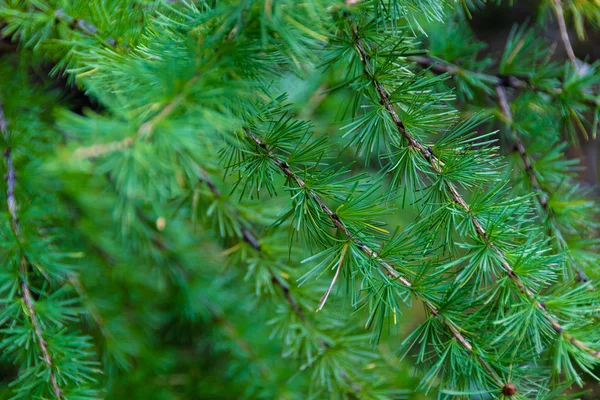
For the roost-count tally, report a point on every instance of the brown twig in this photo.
(443, 67)
(564, 33)
(435, 163)
(520, 148)
(506, 81)
(27, 297)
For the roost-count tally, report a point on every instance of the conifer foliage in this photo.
(295, 199)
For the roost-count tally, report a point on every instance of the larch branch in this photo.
(251, 239)
(507, 81)
(435, 163)
(27, 297)
(386, 267)
(541, 194)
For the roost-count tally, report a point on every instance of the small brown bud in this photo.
(161, 223)
(509, 389)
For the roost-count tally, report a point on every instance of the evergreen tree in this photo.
(284, 199)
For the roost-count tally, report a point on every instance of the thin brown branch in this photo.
(435, 163)
(30, 304)
(333, 217)
(387, 268)
(249, 238)
(144, 131)
(541, 194)
(12, 205)
(506, 81)
(564, 33)
(443, 67)
(3, 123)
(81, 25)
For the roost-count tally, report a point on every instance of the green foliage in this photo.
(180, 223)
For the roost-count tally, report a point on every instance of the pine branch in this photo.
(444, 67)
(439, 66)
(81, 25)
(541, 194)
(144, 131)
(97, 150)
(147, 129)
(249, 238)
(11, 200)
(90, 307)
(386, 267)
(298, 310)
(520, 148)
(435, 163)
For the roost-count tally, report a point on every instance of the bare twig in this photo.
(3, 123)
(506, 81)
(442, 67)
(11, 202)
(435, 163)
(564, 33)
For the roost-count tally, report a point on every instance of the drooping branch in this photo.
(386, 267)
(541, 193)
(27, 297)
(443, 67)
(144, 131)
(436, 165)
(507, 81)
(249, 238)
(501, 82)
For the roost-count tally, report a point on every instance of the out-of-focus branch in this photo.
(27, 297)
(541, 193)
(564, 33)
